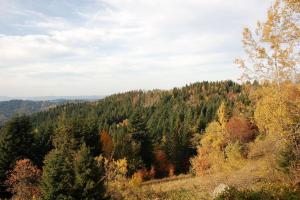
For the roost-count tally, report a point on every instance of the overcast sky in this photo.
(99, 47)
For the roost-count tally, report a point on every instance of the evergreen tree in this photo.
(58, 176)
(179, 149)
(89, 178)
(139, 133)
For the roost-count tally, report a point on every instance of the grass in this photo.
(251, 176)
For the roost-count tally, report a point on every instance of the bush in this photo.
(269, 193)
(136, 179)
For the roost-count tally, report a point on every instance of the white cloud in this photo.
(118, 45)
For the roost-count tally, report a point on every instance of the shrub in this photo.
(136, 179)
(162, 166)
(200, 163)
(234, 156)
(115, 170)
(266, 193)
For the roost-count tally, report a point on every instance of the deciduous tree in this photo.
(273, 49)
(23, 181)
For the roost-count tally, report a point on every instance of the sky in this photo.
(101, 47)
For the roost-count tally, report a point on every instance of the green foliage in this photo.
(69, 172)
(141, 122)
(58, 176)
(139, 133)
(178, 148)
(89, 177)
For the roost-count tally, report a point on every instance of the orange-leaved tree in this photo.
(23, 180)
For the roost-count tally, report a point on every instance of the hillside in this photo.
(210, 130)
(170, 118)
(13, 107)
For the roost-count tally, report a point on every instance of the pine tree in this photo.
(139, 133)
(69, 172)
(58, 176)
(178, 148)
(89, 178)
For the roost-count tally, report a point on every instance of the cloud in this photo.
(106, 46)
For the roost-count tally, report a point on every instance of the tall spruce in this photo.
(89, 177)
(69, 172)
(140, 134)
(58, 174)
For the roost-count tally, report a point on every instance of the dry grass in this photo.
(252, 176)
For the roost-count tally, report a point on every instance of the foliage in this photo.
(138, 132)
(136, 179)
(277, 111)
(289, 158)
(241, 129)
(200, 163)
(23, 180)
(69, 172)
(58, 176)
(115, 170)
(269, 193)
(107, 145)
(89, 177)
(166, 116)
(162, 165)
(234, 156)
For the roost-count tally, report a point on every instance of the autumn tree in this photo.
(211, 150)
(23, 181)
(107, 145)
(273, 49)
(294, 4)
(277, 115)
(162, 164)
(223, 115)
(273, 55)
(240, 129)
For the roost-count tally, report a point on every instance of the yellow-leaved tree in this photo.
(273, 56)
(272, 50)
(210, 152)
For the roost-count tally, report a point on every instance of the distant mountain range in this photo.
(52, 98)
(28, 105)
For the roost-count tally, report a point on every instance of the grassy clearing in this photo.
(251, 176)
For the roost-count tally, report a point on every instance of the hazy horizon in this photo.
(101, 47)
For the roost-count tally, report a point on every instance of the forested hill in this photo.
(166, 121)
(13, 107)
